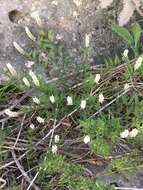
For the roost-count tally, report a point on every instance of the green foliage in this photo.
(102, 121)
(104, 134)
(51, 164)
(133, 38)
(126, 163)
(100, 186)
(67, 174)
(123, 33)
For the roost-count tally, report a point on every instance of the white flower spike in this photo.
(86, 139)
(124, 134)
(69, 101)
(57, 138)
(133, 133)
(101, 98)
(34, 78)
(97, 78)
(125, 53)
(138, 63)
(54, 149)
(87, 40)
(40, 119)
(32, 126)
(29, 34)
(36, 100)
(36, 17)
(19, 48)
(11, 69)
(10, 113)
(126, 86)
(83, 104)
(26, 82)
(52, 99)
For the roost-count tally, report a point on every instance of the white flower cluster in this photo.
(126, 133)
(54, 146)
(125, 53)
(138, 63)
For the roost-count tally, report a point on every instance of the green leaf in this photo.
(123, 33)
(136, 30)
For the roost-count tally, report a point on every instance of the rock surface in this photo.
(70, 19)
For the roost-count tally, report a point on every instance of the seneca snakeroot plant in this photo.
(101, 98)
(126, 86)
(97, 78)
(36, 100)
(32, 126)
(54, 149)
(124, 134)
(11, 69)
(40, 119)
(83, 104)
(26, 81)
(138, 63)
(125, 53)
(19, 48)
(56, 138)
(69, 101)
(133, 133)
(29, 64)
(86, 139)
(87, 40)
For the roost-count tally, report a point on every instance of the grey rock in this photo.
(69, 21)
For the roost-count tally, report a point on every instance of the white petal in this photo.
(52, 99)
(34, 78)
